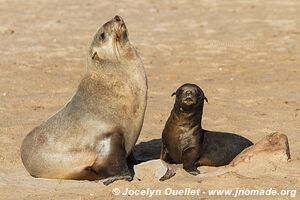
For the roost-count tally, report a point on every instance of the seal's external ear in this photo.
(205, 99)
(95, 56)
(174, 93)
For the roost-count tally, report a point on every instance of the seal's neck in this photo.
(108, 58)
(193, 117)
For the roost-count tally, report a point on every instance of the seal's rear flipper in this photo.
(110, 180)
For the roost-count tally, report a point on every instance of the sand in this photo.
(244, 54)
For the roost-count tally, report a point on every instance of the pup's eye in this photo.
(102, 36)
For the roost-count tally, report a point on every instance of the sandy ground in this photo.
(244, 54)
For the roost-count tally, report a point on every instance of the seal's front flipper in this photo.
(194, 172)
(189, 160)
(169, 173)
(131, 161)
(165, 156)
(112, 163)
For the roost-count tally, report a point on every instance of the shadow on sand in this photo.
(219, 148)
(146, 151)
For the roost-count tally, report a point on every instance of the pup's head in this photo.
(110, 41)
(189, 97)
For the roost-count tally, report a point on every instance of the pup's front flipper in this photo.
(169, 173)
(189, 160)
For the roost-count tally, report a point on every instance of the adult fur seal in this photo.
(93, 134)
(185, 141)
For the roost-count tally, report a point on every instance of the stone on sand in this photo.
(150, 170)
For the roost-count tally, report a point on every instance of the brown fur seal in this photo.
(93, 134)
(184, 141)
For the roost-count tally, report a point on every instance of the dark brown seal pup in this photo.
(184, 141)
(91, 137)
(220, 148)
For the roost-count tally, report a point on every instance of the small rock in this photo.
(38, 107)
(150, 170)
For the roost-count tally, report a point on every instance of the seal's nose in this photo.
(118, 18)
(188, 94)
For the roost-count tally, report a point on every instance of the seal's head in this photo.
(111, 41)
(189, 97)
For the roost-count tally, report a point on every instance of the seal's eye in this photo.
(102, 36)
(199, 95)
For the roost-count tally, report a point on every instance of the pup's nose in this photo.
(189, 92)
(118, 18)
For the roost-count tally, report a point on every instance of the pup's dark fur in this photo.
(184, 141)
